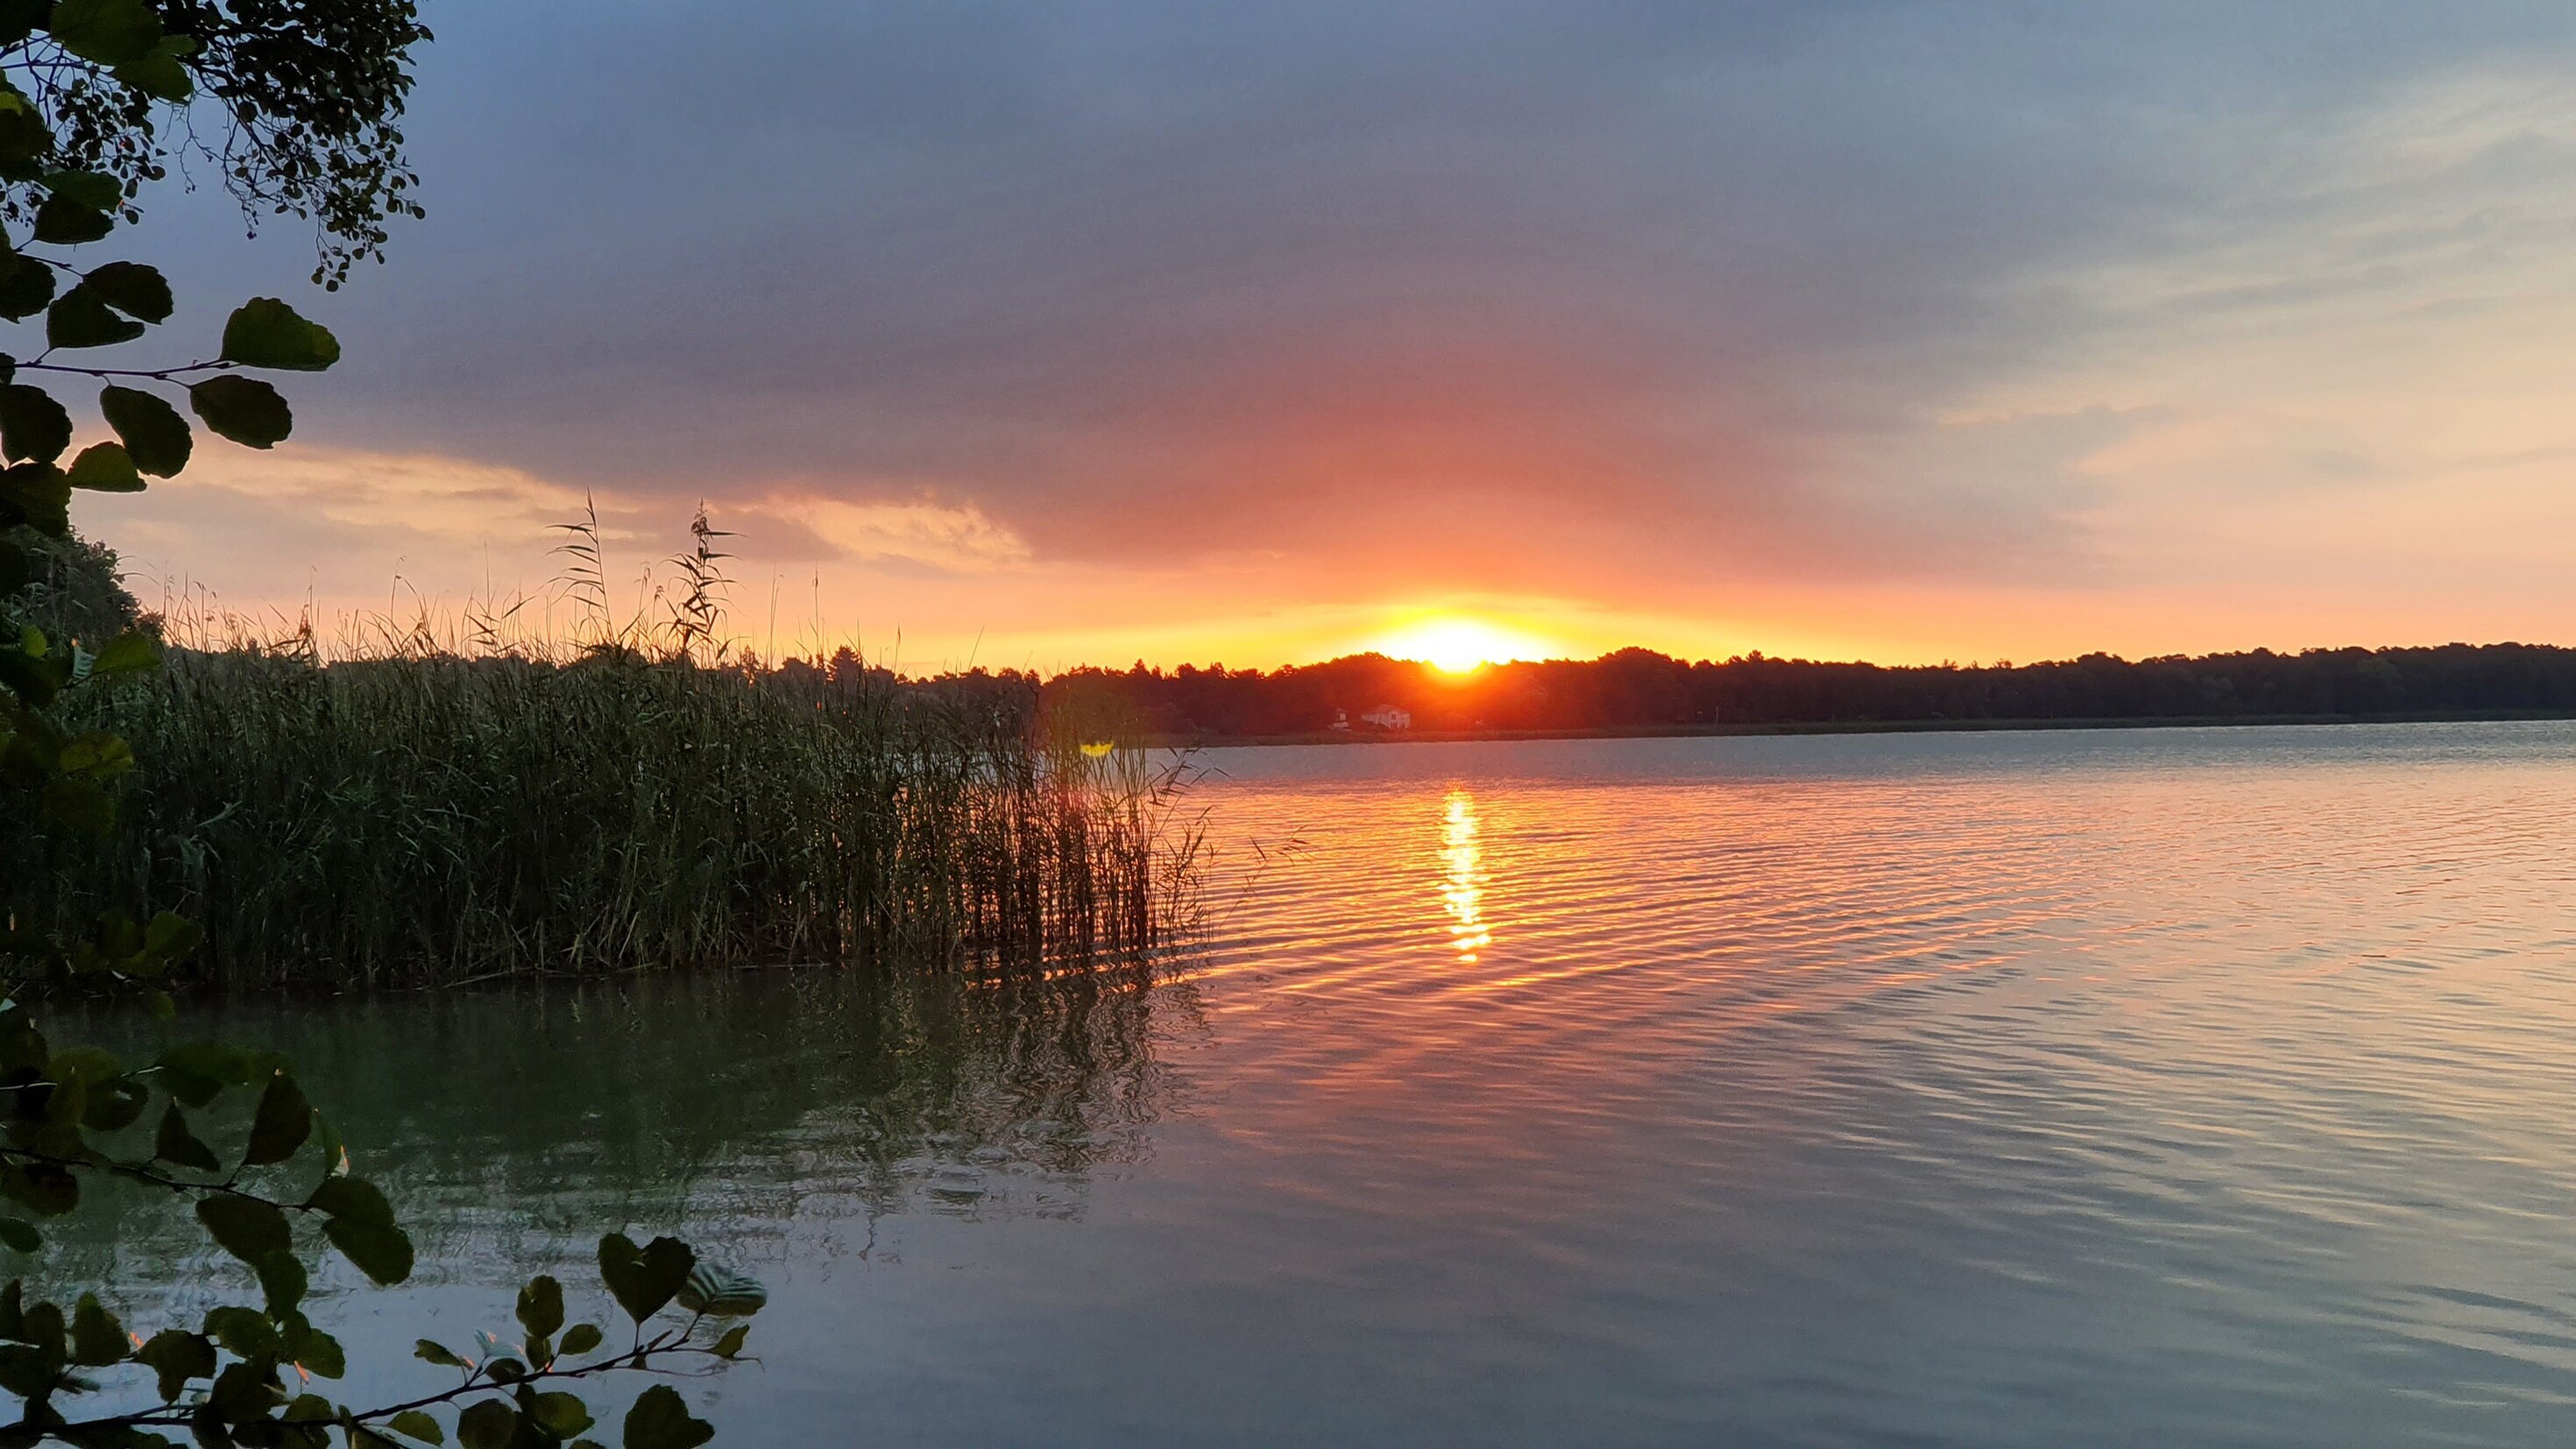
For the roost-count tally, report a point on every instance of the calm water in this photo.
(2148, 1088)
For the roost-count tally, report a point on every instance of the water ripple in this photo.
(2233, 1041)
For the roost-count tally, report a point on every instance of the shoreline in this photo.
(1204, 741)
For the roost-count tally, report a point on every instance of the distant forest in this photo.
(1637, 689)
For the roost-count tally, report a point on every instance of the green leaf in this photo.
(62, 1106)
(110, 32)
(80, 804)
(282, 1280)
(20, 1235)
(114, 1106)
(281, 1124)
(132, 652)
(383, 1254)
(730, 1343)
(326, 1142)
(265, 332)
(41, 1188)
(244, 1391)
(25, 139)
(161, 77)
(99, 755)
(176, 1145)
(97, 1338)
(93, 189)
(90, 1064)
(245, 1332)
(309, 1409)
(195, 1071)
(644, 1279)
(431, 1351)
(177, 1357)
(661, 1419)
(353, 1198)
(166, 937)
(319, 1353)
(155, 435)
(36, 495)
(578, 1339)
(487, 1424)
(418, 1425)
(33, 678)
(561, 1415)
(244, 409)
(131, 288)
(721, 1292)
(21, 1045)
(65, 222)
(26, 285)
(245, 1227)
(32, 424)
(105, 468)
(43, 1326)
(81, 318)
(541, 1305)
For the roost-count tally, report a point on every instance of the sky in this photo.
(1040, 334)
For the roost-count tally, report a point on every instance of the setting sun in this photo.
(1460, 646)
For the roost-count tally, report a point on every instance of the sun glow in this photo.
(1460, 645)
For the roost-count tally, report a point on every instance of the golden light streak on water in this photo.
(1462, 890)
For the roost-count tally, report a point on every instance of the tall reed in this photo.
(423, 813)
(428, 819)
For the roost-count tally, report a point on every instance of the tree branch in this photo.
(143, 1173)
(165, 374)
(638, 1359)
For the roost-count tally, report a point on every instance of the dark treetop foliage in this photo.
(1637, 689)
(297, 101)
(296, 105)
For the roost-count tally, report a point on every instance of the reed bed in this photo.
(458, 797)
(437, 818)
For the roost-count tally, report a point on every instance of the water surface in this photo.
(2122, 1087)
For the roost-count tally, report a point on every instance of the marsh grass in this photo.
(452, 804)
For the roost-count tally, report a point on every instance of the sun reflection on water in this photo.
(1462, 888)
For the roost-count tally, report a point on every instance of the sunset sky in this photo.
(1044, 334)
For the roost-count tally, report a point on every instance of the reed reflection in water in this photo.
(779, 1115)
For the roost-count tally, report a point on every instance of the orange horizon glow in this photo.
(394, 540)
(1462, 644)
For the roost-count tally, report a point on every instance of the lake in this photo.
(2103, 1087)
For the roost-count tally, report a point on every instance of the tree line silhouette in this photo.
(1638, 689)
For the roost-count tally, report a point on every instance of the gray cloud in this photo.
(1153, 280)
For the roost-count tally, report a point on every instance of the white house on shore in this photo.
(1388, 717)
